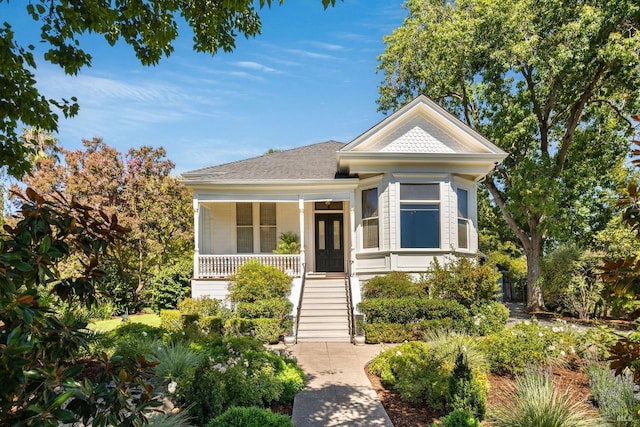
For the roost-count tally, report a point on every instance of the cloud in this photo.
(309, 54)
(256, 66)
(326, 46)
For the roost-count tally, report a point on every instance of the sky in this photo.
(309, 77)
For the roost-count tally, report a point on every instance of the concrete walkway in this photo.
(338, 392)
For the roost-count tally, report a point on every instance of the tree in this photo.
(149, 27)
(552, 82)
(139, 188)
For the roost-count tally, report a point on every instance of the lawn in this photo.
(150, 319)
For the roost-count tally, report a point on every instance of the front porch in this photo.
(223, 266)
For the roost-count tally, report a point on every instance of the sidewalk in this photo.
(338, 392)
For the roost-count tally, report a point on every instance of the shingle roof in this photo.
(316, 161)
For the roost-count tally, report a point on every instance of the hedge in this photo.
(412, 310)
(278, 308)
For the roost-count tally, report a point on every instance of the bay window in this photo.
(419, 215)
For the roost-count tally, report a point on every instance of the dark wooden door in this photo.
(329, 242)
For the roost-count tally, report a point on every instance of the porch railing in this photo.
(211, 266)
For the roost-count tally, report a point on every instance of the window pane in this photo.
(419, 226)
(336, 235)
(244, 213)
(370, 233)
(326, 206)
(245, 239)
(370, 203)
(463, 234)
(321, 235)
(463, 203)
(419, 191)
(268, 239)
(267, 214)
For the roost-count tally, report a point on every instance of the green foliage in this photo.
(526, 344)
(39, 346)
(614, 396)
(135, 330)
(465, 392)
(278, 308)
(570, 282)
(411, 309)
(488, 317)
(62, 24)
(235, 326)
(392, 285)
(171, 320)
(203, 306)
(131, 348)
(376, 333)
(176, 361)
(459, 418)
(254, 281)
(170, 419)
(250, 417)
(463, 280)
(236, 375)
(170, 284)
(421, 371)
(288, 243)
(536, 402)
(266, 330)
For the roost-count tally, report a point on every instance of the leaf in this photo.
(59, 401)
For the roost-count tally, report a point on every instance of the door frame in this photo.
(335, 215)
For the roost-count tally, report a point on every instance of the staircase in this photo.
(323, 313)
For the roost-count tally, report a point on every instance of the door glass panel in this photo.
(336, 235)
(321, 236)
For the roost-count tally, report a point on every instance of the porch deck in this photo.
(220, 266)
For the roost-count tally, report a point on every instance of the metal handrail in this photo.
(351, 316)
(297, 319)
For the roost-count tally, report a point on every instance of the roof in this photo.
(281, 165)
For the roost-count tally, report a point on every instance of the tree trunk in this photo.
(533, 251)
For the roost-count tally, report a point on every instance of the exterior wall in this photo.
(223, 224)
(216, 289)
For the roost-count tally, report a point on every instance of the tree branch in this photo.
(502, 205)
(543, 126)
(615, 108)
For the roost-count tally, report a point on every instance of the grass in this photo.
(150, 319)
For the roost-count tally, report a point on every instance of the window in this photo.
(244, 227)
(420, 215)
(370, 218)
(463, 218)
(268, 234)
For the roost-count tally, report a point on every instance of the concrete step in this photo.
(324, 320)
(325, 327)
(324, 339)
(320, 311)
(340, 290)
(323, 300)
(324, 306)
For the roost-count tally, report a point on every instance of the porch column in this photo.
(352, 220)
(302, 251)
(196, 240)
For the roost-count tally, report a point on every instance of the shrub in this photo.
(237, 326)
(536, 402)
(464, 280)
(278, 308)
(254, 281)
(171, 283)
(376, 333)
(527, 344)
(488, 317)
(411, 310)
(250, 417)
(176, 361)
(266, 330)
(465, 392)
(170, 419)
(171, 320)
(392, 285)
(136, 331)
(288, 243)
(203, 306)
(211, 325)
(131, 348)
(459, 418)
(424, 328)
(614, 396)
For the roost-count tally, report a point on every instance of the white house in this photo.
(395, 198)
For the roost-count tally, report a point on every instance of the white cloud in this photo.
(256, 66)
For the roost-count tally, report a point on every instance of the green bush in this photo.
(392, 285)
(488, 317)
(536, 402)
(250, 417)
(411, 310)
(176, 361)
(203, 306)
(236, 326)
(130, 348)
(424, 328)
(171, 283)
(464, 280)
(288, 243)
(231, 377)
(211, 325)
(171, 320)
(278, 308)
(465, 392)
(266, 330)
(376, 333)
(528, 344)
(254, 281)
(136, 330)
(459, 418)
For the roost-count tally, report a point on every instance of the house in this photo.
(395, 198)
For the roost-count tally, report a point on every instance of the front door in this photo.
(329, 242)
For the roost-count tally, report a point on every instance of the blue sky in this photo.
(310, 77)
